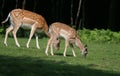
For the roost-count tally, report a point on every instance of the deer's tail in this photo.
(6, 19)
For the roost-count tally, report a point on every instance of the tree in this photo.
(78, 13)
(71, 12)
(23, 4)
(75, 19)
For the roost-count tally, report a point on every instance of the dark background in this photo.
(100, 14)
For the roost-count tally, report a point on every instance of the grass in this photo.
(103, 60)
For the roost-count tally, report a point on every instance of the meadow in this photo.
(103, 59)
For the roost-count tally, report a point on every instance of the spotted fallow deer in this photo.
(25, 19)
(57, 30)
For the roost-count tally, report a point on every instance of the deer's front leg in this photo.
(66, 45)
(57, 44)
(71, 45)
(31, 35)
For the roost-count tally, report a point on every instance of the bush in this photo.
(99, 35)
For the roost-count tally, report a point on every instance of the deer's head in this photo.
(82, 47)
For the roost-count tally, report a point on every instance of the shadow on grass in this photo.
(26, 66)
(61, 54)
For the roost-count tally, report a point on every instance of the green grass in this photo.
(103, 60)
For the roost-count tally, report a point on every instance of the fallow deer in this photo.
(57, 30)
(25, 19)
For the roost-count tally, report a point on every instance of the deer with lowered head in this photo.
(57, 30)
(25, 19)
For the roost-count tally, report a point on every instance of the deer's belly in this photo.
(26, 26)
(63, 35)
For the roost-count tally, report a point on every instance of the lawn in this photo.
(103, 60)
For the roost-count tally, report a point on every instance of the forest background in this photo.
(90, 14)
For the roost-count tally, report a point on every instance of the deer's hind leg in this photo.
(15, 29)
(9, 29)
(48, 45)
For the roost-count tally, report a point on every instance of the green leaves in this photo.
(99, 35)
(1, 30)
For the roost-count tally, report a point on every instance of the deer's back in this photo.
(64, 30)
(28, 17)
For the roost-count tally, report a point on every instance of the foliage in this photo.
(84, 34)
(1, 30)
(99, 35)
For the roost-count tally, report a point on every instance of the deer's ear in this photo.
(86, 47)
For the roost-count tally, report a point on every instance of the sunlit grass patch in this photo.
(103, 60)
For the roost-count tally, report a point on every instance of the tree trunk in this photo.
(71, 12)
(2, 7)
(16, 6)
(23, 4)
(78, 13)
